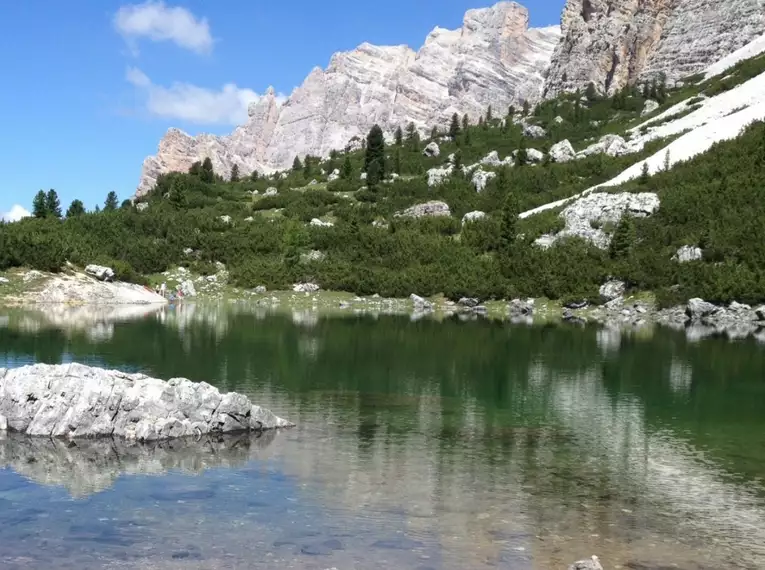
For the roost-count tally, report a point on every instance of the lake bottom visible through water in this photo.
(418, 445)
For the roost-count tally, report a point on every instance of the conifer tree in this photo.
(307, 166)
(52, 204)
(526, 108)
(397, 161)
(591, 93)
(454, 127)
(207, 174)
(458, 160)
(465, 122)
(196, 168)
(644, 174)
(399, 136)
(509, 217)
(412, 138)
(374, 156)
(254, 176)
(297, 166)
(522, 156)
(667, 161)
(40, 205)
(434, 133)
(235, 173)
(111, 202)
(623, 239)
(346, 172)
(177, 195)
(76, 208)
(488, 115)
(511, 112)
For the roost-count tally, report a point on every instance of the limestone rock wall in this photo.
(613, 43)
(494, 59)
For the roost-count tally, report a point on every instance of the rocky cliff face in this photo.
(494, 59)
(612, 43)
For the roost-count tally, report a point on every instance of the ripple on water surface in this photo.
(419, 445)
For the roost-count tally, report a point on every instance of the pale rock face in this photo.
(473, 217)
(650, 107)
(481, 178)
(562, 152)
(688, 253)
(437, 176)
(612, 290)
(494, 59)
(432, 150)
(585, 217)
(616, 43)
(433, 208)
(611, 145)
(72, 401)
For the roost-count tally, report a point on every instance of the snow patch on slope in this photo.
(752, 49)
(720, 118)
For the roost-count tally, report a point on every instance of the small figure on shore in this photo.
(163, 289)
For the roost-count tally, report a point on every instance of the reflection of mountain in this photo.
(502, 442)
(91, 466)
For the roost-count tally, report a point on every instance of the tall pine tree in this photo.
(399, 136)
(374, 156)
(76, 208)
(52, 204)
(235, 173)
(454, 127)
(111, 202)
(40, 205)
(207, 174)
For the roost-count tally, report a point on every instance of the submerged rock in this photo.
(591, 564)
(75, 401)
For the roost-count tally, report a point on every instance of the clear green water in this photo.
(419, 445)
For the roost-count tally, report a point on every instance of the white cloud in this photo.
(227, 106)
(15, 214)
(158, 22)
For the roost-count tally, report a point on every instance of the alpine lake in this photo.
(420, 444)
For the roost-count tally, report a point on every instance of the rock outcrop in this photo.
(79, 289)
(494, 59)
(613, 43)
(587, 217)
(434, 208)
(75, 401)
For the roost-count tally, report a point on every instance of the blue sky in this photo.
(91, 87)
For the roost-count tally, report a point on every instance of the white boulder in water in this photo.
(75, 401)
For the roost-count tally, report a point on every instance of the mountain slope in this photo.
(494, 59)
(616, 43)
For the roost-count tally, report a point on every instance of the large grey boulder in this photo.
(75, 401)
(187, 288)
(433, 208)
(610, 145)
(650, 107)
(437, 176)
(481, 178)
(587, 217)
(562, 152)
(699, 308)
(306, 288)
(612, 290)
(688, 253)
(473, 216)
(760, 313)
(99, 272)
(432, 150)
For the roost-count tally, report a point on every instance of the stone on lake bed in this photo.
(78, 401)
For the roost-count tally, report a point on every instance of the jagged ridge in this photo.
(494, 59)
